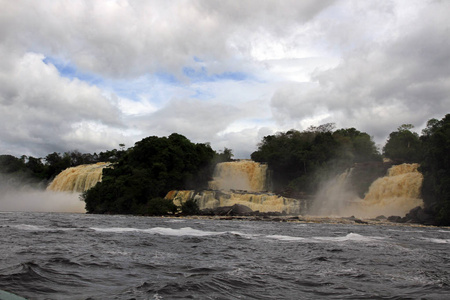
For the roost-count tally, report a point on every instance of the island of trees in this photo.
(140, 176)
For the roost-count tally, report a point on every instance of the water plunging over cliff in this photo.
(395, 194)
(244, 175)
(262, 202)
(78, 179)
(240, 182)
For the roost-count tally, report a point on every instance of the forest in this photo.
(298, 161)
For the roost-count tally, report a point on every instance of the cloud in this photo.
(129, 38)
(403, 79)
(89, 75)
(40, 108)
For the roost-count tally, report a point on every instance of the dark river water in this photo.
(77, 256)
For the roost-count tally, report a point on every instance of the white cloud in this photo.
(223, 72)
(38, 108)
(403, 79)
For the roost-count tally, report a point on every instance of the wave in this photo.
(438, 241)
(175, 221)
(286, 238)
(353, 237)
(41, 279)
(185, 231)
(188, 231)
(41, 228)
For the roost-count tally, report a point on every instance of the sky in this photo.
(90, 75)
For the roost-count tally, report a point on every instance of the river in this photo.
(81, 256)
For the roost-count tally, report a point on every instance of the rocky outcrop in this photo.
(235, 210)
(417, 215)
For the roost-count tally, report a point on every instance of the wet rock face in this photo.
(417, 215)
(235, 210)
(420, 216)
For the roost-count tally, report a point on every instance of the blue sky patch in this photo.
(68, 70)
(201, 75)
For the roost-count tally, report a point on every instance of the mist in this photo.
(334, 197)
(394, 194)
(21, 195)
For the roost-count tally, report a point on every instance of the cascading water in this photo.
(243, 175)
(262, 202)
(395, 194)
(78, 179)
(239, 182)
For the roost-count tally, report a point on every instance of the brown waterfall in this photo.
(395, 194)
(262, 202)
(78, 179)
(245, 175)
(240, 182)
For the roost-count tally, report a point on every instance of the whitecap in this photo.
(174, 221)
(285, 238)
(404, 230)
(185, 231)
(40, 228)
(244, 235)
(438, 241)
(29, 227)
(354, 237)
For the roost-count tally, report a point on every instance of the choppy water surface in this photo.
(76, 256)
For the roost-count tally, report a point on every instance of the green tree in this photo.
(435, 166)
(403, 145)
(36, 167)
(55, 163)
(299, 161)
(154, 166)
(10, 164)
(356, 146)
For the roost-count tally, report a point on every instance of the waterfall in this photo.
(245, 175)
(395, 194)
(262, 202)
(78, 179)
(239, 182)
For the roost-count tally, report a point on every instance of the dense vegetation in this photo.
(300, 161)
(146, 172)
(42, 170)
(435, 166)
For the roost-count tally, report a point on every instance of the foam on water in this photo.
(185, 231)
(29, 227)
(175, 221)
(437, 241)
(40, 228)
(353, 237)
(188, 231)
(285, 238)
